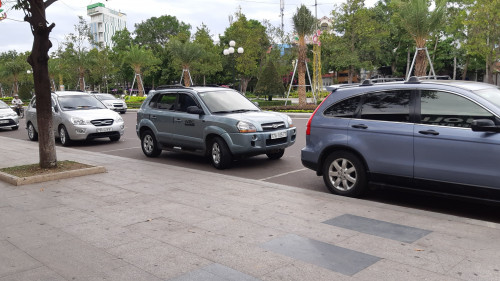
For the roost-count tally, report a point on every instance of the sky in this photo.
(15, 34)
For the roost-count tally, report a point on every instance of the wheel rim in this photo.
(31, 131)
(62, 135)
(148, 144)
(342, 174)
(216, 153)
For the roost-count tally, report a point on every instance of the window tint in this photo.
(166, 101)
(446, 109)
(185, 101)
(387, 106)
(344, 109)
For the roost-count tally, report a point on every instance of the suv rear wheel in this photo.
(219, 154)
(32, 133)
(344, 174)
(149, 144)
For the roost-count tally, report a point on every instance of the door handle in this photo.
(429, 132)
(177, 120)
(153, 116)
(360, 126)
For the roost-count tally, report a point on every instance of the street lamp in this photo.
(231, 50)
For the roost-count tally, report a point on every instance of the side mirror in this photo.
(484, 125)
(55, 109)
(194, 110)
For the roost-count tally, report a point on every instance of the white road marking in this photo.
(119, 149)
(284, 174)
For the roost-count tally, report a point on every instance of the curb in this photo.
(17, 181)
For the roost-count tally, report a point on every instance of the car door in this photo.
(446, 148)
(188, 128)
(383, 134)
(161, 115)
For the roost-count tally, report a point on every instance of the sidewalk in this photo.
(152, 221)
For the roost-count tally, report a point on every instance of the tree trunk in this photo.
(81, 78)
(464, 75)
(421, 63)
(39, 62)
(187, 80)
(244, 84)
(301, 71)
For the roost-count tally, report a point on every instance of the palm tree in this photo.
(419, 21)
(139, 58)
(185, 54)
(14, 68)
(304, 24)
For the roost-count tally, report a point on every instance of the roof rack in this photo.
(413, 80)
(437, 77)
(162, 87)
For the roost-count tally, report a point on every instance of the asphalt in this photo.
(151, 221)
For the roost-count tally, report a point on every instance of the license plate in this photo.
(4, 121)
(278, 135)
(101, 130)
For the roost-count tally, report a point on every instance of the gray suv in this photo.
(211, 121)
(438, 136)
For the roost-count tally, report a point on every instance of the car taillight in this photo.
(308, 127)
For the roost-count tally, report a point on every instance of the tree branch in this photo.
(48, 3)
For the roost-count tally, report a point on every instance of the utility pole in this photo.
(282, 9)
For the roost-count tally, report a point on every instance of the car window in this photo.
(33, 103)
(105, 97)
(185, 101)
(387, 106)
(166, 101)
(226, 101)
(79, 102)
(491, 94)
(3, 105)
(447, 109)
(343, 109)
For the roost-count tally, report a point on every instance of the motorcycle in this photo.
(19, 109)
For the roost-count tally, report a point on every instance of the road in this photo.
(288, 171)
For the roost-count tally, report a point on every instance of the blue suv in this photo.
(438, 136)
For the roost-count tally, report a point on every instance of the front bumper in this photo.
(259, 142)
(83, 132)
(9, 122)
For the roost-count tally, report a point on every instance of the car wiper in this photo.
(242, 110)
(222, 111)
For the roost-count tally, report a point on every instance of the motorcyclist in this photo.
(18, 103)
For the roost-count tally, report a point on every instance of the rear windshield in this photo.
(490, 94)
(79, 102)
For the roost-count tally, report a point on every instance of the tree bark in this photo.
(301, 71)
(39, 62)
(466, 66)
(187, 80)
(421, 63)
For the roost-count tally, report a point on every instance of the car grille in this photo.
(102, 122)
(273, 126)
(118, 105)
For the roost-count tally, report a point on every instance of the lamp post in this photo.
(230, 51)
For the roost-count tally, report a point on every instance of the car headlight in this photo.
(119, 119)
(108, 104)
(290, 122)
(78, 121)
(12, 114)
(245, 127)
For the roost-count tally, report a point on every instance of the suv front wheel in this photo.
(149, 144)
(344, 174)
(220, 155)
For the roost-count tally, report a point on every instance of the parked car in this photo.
(437, 136)
(8, 117)
(216, 122)
(111, 102)
(77, 116)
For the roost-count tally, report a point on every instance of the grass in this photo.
(34, 169)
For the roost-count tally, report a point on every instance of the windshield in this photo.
(227, 101)
(3, 105)
(105, 97)
(491, 94)
(80, 102)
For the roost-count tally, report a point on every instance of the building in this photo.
(104, 22)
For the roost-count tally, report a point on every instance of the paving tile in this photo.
(215, 272)
(379, 228)
(14, 260)
(335, 258)
(303, 271)
(42, 273)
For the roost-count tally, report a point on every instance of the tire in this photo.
(149, 144)
(64, 136)
(32, 133)
(275, 155)
(122, 112)
(344, 174)
(220, 155)
(115, 138)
